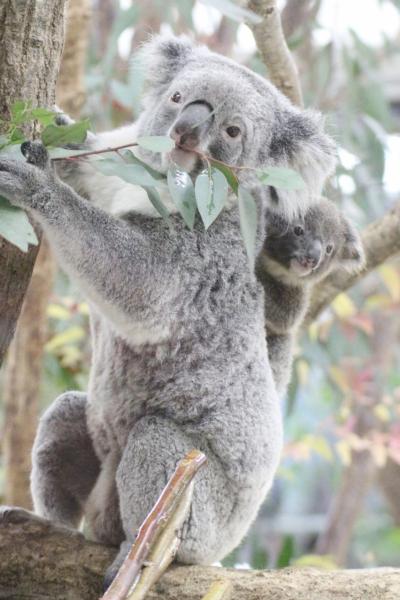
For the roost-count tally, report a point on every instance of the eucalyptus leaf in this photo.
(64, 152)
(43, 115)
(20, 112)
(15, 226)
(281, 178)
(134, 174)
(59, 135)
(129, 156)
(155, 199)
(248, 222)
(183, 194)
(233, 11)
(229, 175)
(211, 189)
(156, 143)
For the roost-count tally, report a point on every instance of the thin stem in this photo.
(116, 149)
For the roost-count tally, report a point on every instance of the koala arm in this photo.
(116, 263)
(280, 354)
(104, 191)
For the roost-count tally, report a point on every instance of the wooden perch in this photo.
(40, 561)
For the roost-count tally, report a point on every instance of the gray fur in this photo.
(291, 264)
(179, 353)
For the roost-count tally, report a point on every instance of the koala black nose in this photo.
(192, 124)
(313, 255)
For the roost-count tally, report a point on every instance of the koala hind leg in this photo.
(154, 447)
(64, 464)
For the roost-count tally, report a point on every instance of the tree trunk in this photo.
(31, 39)
(38, 560)
(24, 365)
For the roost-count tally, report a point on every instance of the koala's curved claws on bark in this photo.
(35, 154)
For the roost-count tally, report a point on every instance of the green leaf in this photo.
(20, 112)
(155, 199)
(129, 156)
(15, 226)
(182, 191)
(211, 189)
(248, 222)
(16, 136)
(135, 174)
(281, 178)
(59, 135)
(287, 552)
(156, 143)
(233, 11)
(229, 175)
(64, 152)
(44, 116)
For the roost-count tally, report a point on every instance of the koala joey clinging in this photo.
(296, 255)
(177, 317)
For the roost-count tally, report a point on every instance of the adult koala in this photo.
(179, 353)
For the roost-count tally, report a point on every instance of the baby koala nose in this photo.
(192, 125)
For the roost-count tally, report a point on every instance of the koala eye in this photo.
(233, 131)
(298, 230)
(176, 97)
(329, 249)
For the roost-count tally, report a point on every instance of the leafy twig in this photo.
(163, 514)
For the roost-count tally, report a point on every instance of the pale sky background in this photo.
(372, 20)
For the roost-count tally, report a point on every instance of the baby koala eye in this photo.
(233, 131)
(329, 249)
(176, 97)
(298, 230)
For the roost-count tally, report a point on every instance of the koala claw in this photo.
(35, 154)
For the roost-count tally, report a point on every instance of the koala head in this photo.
(306, 249)
(210, 104)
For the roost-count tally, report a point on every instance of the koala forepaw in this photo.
(35, 154)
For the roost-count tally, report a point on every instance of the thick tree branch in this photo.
(272, 46)
(381, 240)
(38, 560)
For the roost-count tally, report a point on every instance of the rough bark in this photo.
(38, 560)
(274, 52)
(22, 382)
(24, 364)
(70, 91)
(31, 39)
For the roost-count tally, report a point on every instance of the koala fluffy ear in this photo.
(352, 256)
(163, 56)
(300, 143)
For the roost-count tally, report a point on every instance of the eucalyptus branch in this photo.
(274, 51)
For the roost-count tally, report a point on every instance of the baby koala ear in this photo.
(352, 255)
(163, 57)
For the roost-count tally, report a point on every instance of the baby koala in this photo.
(295, 256)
